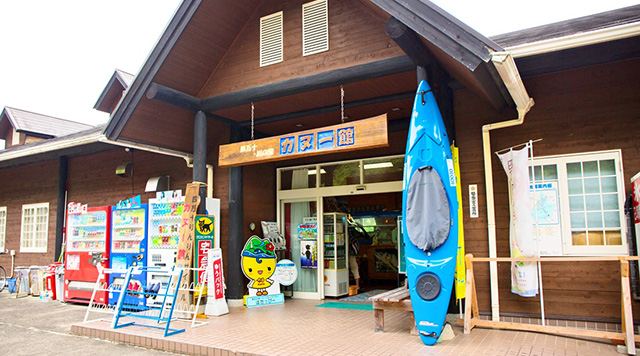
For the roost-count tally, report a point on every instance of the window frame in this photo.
(28, 243)
(3, 228)
(561, 162)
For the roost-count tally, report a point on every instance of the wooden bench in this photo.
(397, 299)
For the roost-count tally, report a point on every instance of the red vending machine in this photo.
(87, 245)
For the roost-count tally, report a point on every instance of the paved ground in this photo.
(31, 327)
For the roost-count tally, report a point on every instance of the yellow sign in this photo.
(356, 135)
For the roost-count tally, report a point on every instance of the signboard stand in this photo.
(216, 302)
(186, 242)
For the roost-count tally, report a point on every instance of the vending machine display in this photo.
(165, 214)
(128, 248)
(87, 246)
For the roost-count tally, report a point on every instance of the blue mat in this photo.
(363, 297)
(339, 305)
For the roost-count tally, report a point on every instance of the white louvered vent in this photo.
(271, 39)
(315, 27)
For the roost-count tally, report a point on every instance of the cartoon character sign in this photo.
(258, 264)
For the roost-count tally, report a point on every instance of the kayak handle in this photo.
(422, 93)
(431, 334)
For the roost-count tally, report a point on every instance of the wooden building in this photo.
(227, 72)
(258, 71)
(69, 162)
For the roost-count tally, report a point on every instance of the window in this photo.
(35, 227)
(3, 227)
(315, 27)
(15, 139)
(580, 204)
(271, 45)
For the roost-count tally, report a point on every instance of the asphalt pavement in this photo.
(29, 326)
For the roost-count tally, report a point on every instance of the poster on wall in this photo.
(308, 254)
(308, 231)
(546, 218)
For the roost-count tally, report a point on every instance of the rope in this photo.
(342, 103)
(252, 121)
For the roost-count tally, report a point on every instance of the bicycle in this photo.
(3, 276)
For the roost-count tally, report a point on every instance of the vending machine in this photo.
(87, 247)
(128, 248)
(165, 214)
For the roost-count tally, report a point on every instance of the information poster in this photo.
(308, 254)
(545, 210)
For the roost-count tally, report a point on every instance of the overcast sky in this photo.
(57, 56)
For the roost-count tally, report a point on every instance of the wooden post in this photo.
(470, 299)
(627, 314)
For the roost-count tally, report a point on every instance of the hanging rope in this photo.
(252, 121)
(342, 103)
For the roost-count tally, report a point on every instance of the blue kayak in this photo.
(430, 219)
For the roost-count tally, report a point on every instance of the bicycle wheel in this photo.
(3, 278)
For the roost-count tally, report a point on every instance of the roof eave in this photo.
(154, 61)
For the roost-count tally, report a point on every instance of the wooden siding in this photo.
(91, 180)
(356, 36)
(590, 109)
(31, 184)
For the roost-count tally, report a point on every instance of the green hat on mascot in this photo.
(258, 248)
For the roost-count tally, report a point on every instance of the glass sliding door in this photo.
(301, 231)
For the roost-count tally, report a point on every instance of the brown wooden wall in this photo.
(356, 36)
(91, 180)
(30, 184)
(591, 109)
(24, 139)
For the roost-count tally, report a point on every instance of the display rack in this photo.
(158, 312)
(335, 239)
(159, 315)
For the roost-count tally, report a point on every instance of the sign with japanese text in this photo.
(356, 135)
(204, 242)
(186, 241)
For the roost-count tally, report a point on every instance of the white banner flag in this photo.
(524, 275)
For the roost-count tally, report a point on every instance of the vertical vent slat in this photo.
(315, 27)
(271, 41)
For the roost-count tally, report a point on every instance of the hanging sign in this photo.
(356, 135)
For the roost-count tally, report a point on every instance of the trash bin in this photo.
(36, 277)
(60, 282)
(12, 285)
(22, 279)
(50, 278)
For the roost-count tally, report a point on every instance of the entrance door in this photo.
(302, 229)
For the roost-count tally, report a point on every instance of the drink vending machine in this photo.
(165, 214)
(128, 248)
(87, 247)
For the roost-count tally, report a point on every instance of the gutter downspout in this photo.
(506, 67)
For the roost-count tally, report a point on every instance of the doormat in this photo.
(339, 305)
(363, 297)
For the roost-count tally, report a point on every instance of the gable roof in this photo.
(619, 18)
(119, 82)
(39, 125)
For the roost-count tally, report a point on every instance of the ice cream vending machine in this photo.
(86, 248)
(128, 248)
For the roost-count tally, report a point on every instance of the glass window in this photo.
(347, 173)
(35, 228)
(299, 178)
(591, 201)
(383, 169)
